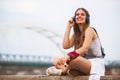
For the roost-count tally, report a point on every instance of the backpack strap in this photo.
(102, 49)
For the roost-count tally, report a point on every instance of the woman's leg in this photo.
(81, 64)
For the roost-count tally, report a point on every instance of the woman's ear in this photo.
(87, 18)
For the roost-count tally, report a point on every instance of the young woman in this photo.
(86, 57)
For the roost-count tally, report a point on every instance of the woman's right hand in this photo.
(70, 23)
(58, 61)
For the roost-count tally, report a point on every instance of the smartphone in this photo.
(74, 18)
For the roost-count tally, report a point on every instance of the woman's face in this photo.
(80, 17)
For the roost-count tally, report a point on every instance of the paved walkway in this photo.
(44, 77)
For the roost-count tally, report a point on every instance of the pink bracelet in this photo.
(72, 55)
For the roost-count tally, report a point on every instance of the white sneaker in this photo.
(53, 71)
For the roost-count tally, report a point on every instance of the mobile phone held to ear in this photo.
(74, 18)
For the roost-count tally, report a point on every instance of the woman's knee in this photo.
(80, 64)
(76, 60)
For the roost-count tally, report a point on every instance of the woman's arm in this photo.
(67, 41)
(82, 50)
(86, 44)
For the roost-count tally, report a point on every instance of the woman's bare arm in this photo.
(86, 44)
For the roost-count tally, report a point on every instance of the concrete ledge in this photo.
(42, 77)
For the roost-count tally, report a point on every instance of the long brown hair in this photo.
(79, 35)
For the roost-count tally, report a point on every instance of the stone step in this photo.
(44, 77)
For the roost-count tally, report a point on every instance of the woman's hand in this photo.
(70, 23)
(60, 60)
(63, 60)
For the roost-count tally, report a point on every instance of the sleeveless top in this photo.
(94, 50)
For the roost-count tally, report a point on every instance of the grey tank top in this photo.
(94, 50)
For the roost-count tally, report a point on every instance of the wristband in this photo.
(72, 56)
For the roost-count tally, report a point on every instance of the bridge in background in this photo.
(29, 64)
(24, 59)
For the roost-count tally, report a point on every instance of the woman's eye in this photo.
(82, 14)
(77, 14)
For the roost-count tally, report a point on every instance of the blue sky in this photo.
(53, 15)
